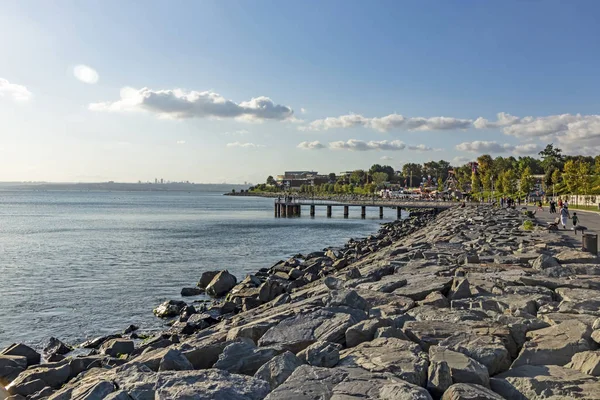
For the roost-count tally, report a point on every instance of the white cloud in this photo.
(386, 158)
(495, 147)
(316, 145)
(181, 142)
(389, 122)
(180, 104)
(245, 145)
(239, 132)
(303, 110)
(361, 145)
(459, 161)
(86, 74)
(17, 92)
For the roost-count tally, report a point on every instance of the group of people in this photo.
(563, 212)
(509, 202)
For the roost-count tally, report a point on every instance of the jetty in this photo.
(291, 207)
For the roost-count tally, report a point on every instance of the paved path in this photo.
(591, 220)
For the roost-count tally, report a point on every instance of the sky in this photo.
(234, 91)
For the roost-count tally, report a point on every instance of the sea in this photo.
(81, 264)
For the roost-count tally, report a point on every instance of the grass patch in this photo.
(527, 225)
(582, 207)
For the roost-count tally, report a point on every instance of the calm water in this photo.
(81, 264)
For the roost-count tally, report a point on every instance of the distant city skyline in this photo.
(234, 91)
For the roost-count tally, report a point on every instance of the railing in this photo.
(369, 202)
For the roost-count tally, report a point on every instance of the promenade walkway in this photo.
(591, 220)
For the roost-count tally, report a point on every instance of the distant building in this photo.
(161, 180)
(295, 179)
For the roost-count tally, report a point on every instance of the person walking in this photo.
(564, 216)
(575, 220)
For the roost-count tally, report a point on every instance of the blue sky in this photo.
(337, 85)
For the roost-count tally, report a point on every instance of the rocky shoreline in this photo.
(466, 304)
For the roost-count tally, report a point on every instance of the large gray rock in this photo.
(582, 301)
(588, 362)
(117, 347)
(19, 349)
(211, 384)
(555, 345)
(270, 290)
(487, 350)
(537, 382)
(419, 286)
(545, 261)
(313, 383)
(206, 278)
(169, 308)
(403, 359)
(572, 256)
(348, 298)
(439, 378)
(245, 358)
(364, 331)
(460, 289)
(11, 367)
(278, 369)
(174, 360)
(321, 354)
(299, 331)
(463, 369)
(35, 379)
(222, 283)
(469, 391)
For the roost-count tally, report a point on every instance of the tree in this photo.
(475, 183)
(583, 177)
(527, 181)
(357, 177)
(270, 180)
(463, 176)
(379, 178)
(414, 171)
(485, 162)
(570, 173)
(551, 157)
(509, 182)
(529, 162)
(332, 177)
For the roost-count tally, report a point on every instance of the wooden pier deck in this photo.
(293, 208)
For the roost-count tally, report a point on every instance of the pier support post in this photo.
(290, 210)
(283, 209)
(363, 212)
(328, 211)
(380, 212)
(346, 211)
(399, 213)
(298, 210)
(312, 210)
(276, 209)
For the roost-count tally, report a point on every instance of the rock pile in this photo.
(469, 307)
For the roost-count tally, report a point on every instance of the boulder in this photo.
(170, 308)
(222, 283)
(36, 379)
(439, 378)
(435, 299)
(333, 283)
(419, 286)
(270, 290)
(244, 357)
(391, 332)
(278, 369)
(55, 346)
(402, 359)
(174, 360)
(364, 331)
(348, 298)
(301, 330)
(321, 354)
(555, 345)
(537, 382)
(460, 289)
(211, 384)
(588, 362)
(312, 383)
(19, 349)
(572, 256)
(253, 331)
(579, 301)
(11, 367)
(545, 261)
(463, 369)
(487, 350)
(469, 391)
(191, 291)
(117, 347)
(204, 353)
(206, 278)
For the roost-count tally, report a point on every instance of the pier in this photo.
(293, 208)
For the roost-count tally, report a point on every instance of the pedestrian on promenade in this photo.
(564, 216)
(560, 203)
(539, 207)
(575, 220)
(552, 206)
